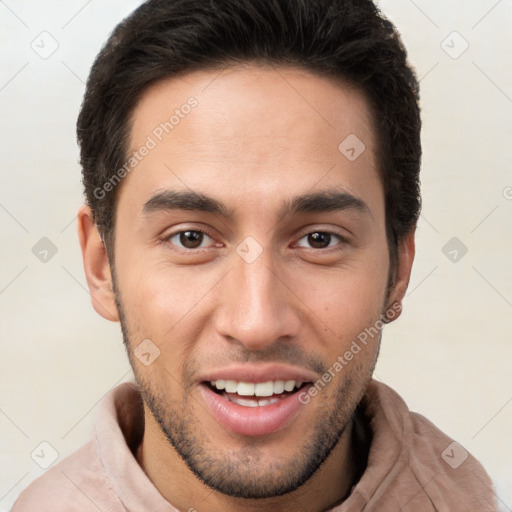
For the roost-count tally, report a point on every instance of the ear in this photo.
(406, 251)
(96, 266)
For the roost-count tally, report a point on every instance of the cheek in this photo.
(157, 298)
(350, 303)
(349, 295)
(350, 320)
(157, 304)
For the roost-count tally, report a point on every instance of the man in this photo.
(251, 171)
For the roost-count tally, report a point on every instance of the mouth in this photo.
(253, 408)
(250, 394)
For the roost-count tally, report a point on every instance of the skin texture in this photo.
(258, 137)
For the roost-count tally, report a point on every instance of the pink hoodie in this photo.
(412, 465)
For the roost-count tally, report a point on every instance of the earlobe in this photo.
(406, 251)
(96, 266)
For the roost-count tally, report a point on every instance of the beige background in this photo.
(448, 356)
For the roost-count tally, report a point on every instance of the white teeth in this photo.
(246, 403)
(245, 389)
(263, 389)
(264, 402)
(249, 402)
(231, 386)
(278, 387)
(289, 385)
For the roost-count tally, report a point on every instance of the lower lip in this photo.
(251, 421)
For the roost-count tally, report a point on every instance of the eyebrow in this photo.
(315, 202)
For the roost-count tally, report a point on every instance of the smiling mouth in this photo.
(250, 394)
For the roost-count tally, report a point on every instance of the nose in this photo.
(257, 305)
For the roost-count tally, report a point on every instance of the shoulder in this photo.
(77, 483)
(448, 464)
(439, 468)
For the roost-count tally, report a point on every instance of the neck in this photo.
(184, 491)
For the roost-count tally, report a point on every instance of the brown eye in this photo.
(191, 239)
(320, 239)
(188, 239)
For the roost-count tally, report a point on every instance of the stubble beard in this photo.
(245, 473)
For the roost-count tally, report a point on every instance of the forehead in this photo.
(252, 131)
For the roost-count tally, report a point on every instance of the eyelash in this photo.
(204, 231)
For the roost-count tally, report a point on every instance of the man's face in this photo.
(263, 294)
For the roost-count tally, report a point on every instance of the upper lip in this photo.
(260, 373)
